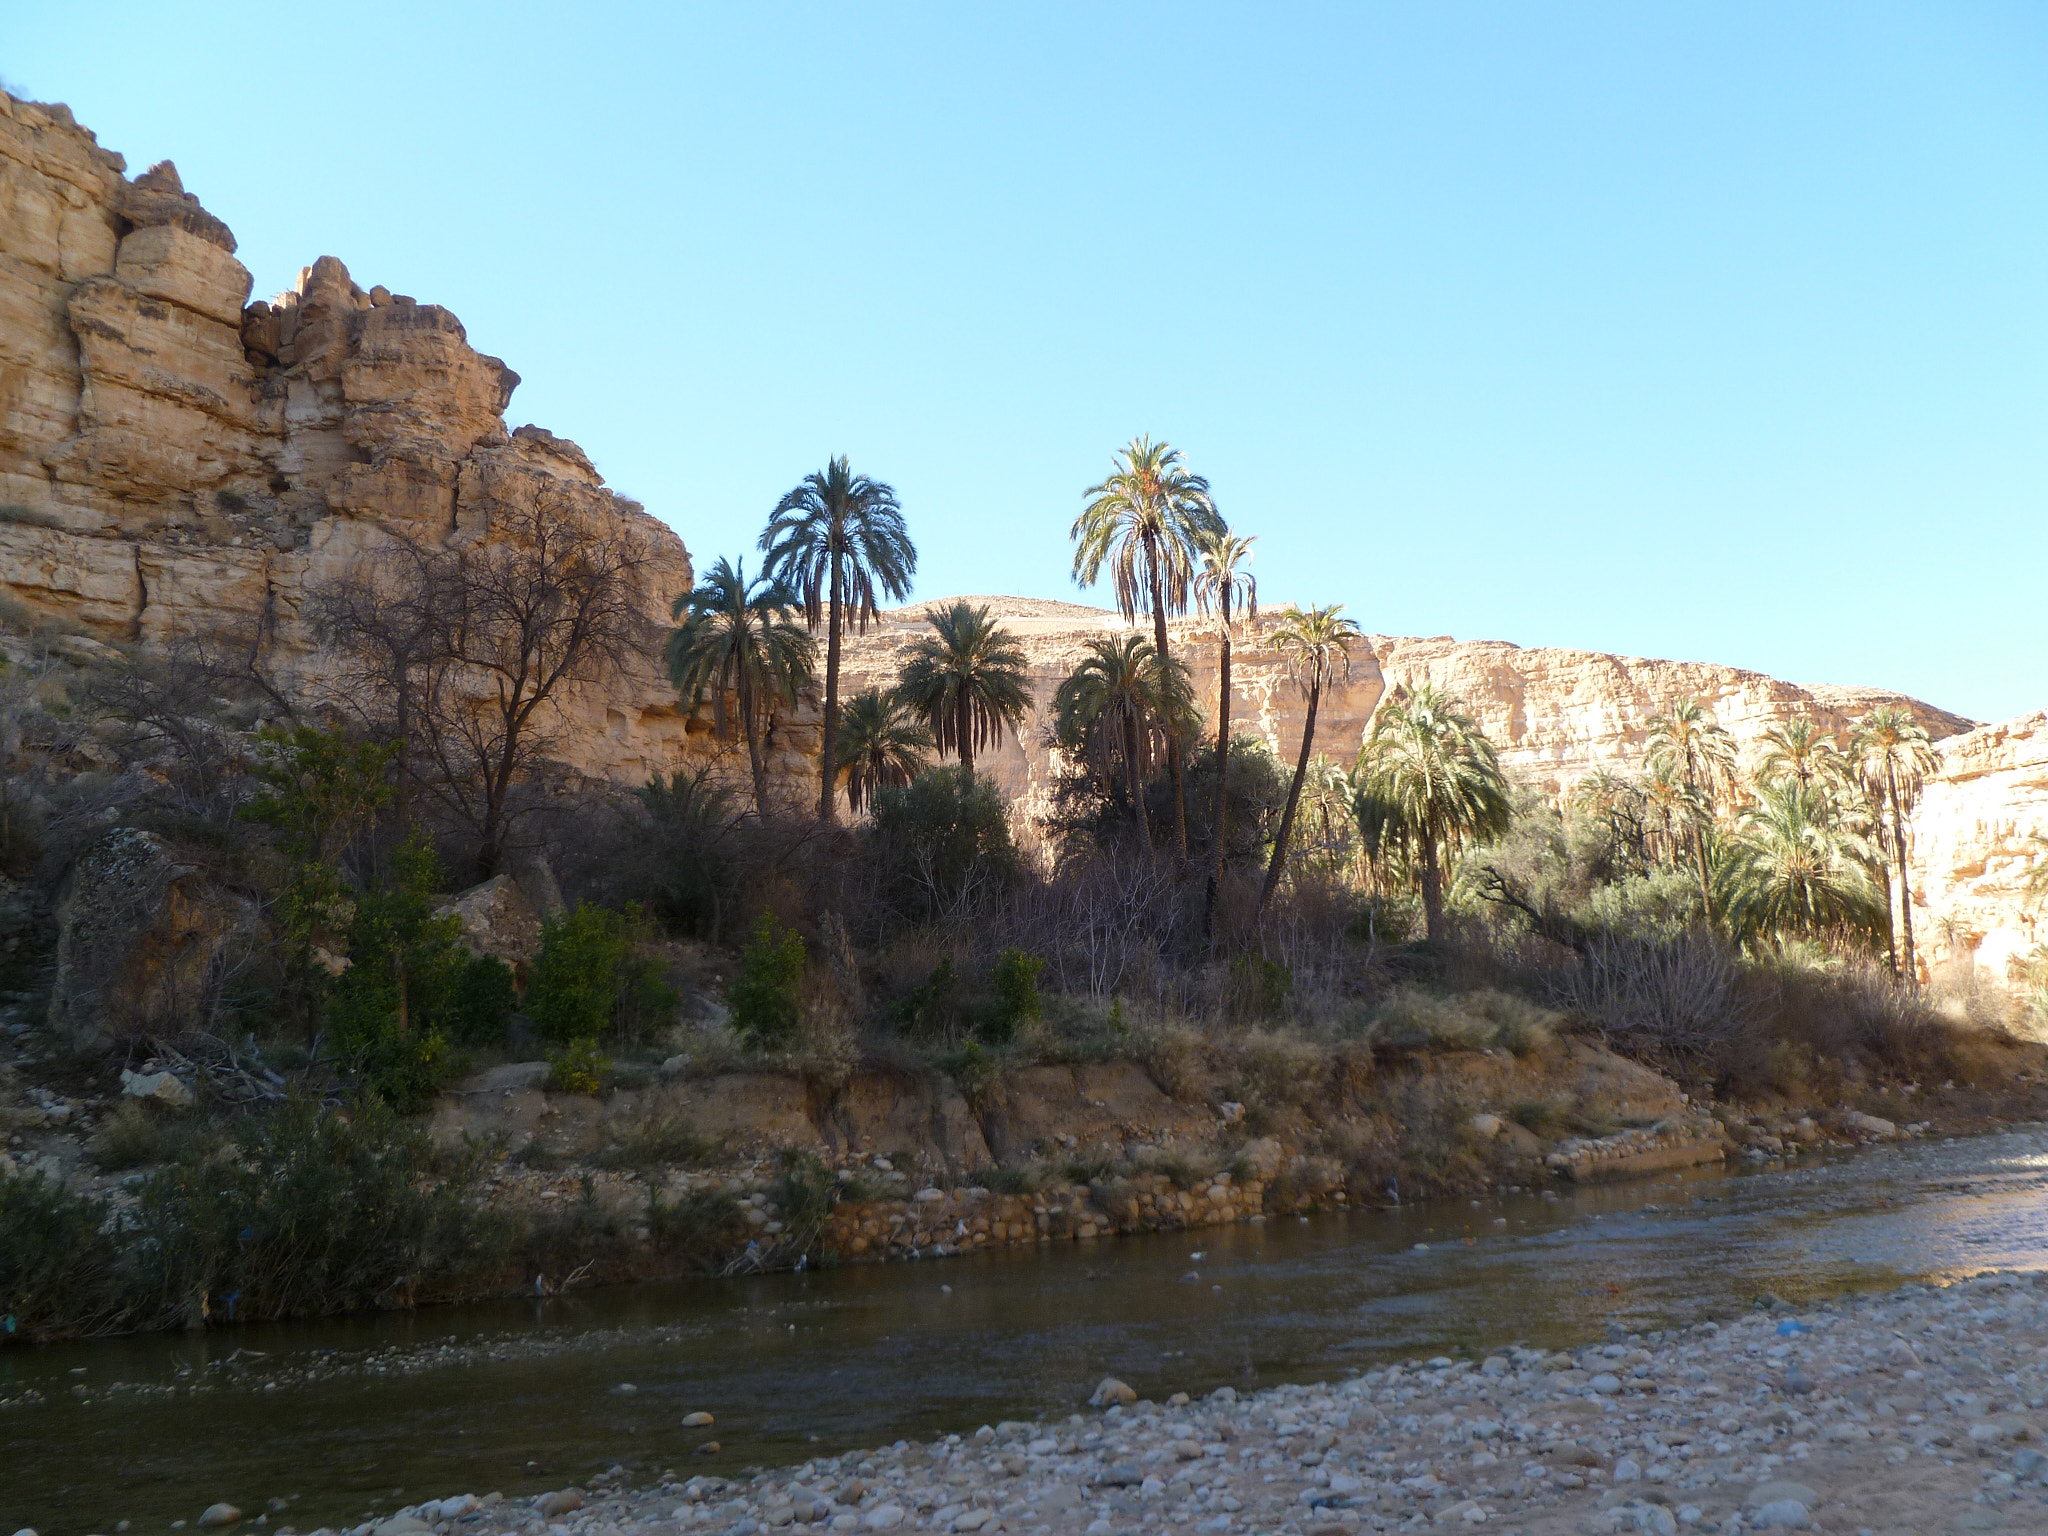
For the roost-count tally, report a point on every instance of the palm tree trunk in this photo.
(1891, 784)
(1308, 737)
(827, 767)
(754, 758)
(1180, 793)
(1134, 779)
(1699, 853)
(963, 715)
(1222, 777)
(1432, 889)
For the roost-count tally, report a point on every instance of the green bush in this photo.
(310, 1210)
(391, 1013)
(62, 1273)
(142, 1135)
(931, 1010)
(938, 839)
(481, 1002)
(1014, 979)
(766, 998)
(592, 976)
(580, 1066)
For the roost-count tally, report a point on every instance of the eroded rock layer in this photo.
(177, 462)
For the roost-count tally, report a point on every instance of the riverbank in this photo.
(1918, 1410)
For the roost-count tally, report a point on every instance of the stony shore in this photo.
(1917, 1412)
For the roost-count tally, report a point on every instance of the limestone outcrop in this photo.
(176, 462)
(1980, 834)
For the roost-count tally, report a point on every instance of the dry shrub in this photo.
(1173, 1056)
(1678, 1001)
(1413, 1019)
(1270, 1073)
(1808, 1030)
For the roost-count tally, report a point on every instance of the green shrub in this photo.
(939, 839)
(392, 1012)
(310, 1210)
(62, 1273)
(591, 976)
(1014, 979)
(932, 1008)
(580, 1066)
(481, 1002)
(766, 998)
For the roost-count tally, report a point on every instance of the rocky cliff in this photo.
(176, 461)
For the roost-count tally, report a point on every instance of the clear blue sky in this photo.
(1717, 332)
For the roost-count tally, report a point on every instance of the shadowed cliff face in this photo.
(176, 461)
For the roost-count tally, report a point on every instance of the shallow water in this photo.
(362, 1415)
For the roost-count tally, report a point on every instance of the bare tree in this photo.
(382, 622)
(469, 650)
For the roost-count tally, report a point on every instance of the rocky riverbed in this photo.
(1916, 1412)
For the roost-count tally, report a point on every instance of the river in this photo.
(356, 1416)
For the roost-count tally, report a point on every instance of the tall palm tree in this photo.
(835, 540)
(1121, 688)
(741, 637)
(1793, 868)
(967, 679)
(879, 744)
(1893, 752)
(1316, 645)
(1430, 782)
(1223, 584)
(1697, 751)
(1142, 522)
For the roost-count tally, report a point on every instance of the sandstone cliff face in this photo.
(1557, 715)
(175, 461)
(1554, 714)
(1976, 843)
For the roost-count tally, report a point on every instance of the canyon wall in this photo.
(178, 463)
(1556, 715)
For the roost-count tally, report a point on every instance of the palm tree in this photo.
(1893, 751)
(1792, 868)
(1121, 688)
(835, 539)
(1142, 522)
(1696, 751)
(1800, 749)
(1223, 583)
(1430, 781)
(741, 637)
(967, 679)
(879, 745)
(1316, 645)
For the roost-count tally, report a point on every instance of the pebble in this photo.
(219, 1514)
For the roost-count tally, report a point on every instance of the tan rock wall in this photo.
(1973, 849)
(175, 460)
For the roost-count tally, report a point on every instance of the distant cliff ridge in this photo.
(175, 460)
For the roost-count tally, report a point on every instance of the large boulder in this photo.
(141, 935)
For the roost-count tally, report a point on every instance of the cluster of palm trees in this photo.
(837, 543)
(1810, 846)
